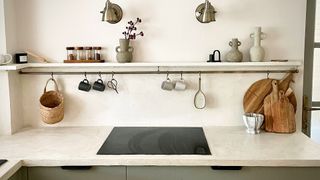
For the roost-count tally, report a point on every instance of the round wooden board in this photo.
(258, 91)
(254, 97)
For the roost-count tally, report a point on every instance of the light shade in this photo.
(112, 13)
(205, 12)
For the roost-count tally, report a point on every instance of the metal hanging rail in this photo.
(161, 72)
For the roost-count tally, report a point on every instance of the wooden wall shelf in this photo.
(153, 68)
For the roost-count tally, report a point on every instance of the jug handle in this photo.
(117, 49)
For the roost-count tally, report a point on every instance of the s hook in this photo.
(100, 75)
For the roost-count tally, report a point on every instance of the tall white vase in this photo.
(257, 52)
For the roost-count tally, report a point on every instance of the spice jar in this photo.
(88, 51)
(80, 54)
(97, 53)
(70, 53)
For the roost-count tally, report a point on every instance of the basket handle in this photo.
(55, 85)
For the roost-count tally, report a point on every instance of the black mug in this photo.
(99, 86)
(84, 85)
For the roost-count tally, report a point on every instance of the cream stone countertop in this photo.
(230, 146)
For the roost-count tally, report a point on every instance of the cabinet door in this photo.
(206, 173)
(95, 173)
(21, 174)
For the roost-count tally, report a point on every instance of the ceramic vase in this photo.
(124, 51)
(234, 55)
(257, 52)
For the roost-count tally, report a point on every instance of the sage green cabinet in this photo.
(95, 173)
(206, 173)
(166, 173)
(21, 174)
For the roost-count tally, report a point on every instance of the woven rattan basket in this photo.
(52, 105)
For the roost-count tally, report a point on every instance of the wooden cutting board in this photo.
(278, 111)
(255, 95)
(283, 115)
(267, 106)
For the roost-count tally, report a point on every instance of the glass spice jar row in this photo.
(84, 53)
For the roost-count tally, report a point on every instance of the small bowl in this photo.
(253, 122)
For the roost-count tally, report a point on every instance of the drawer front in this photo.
(206, 173)
(94, 173)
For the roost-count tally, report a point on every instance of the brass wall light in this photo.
(205, 12)
(112, 13)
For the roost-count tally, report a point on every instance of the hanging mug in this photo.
(180, 85)
(167, 85)
(84, 85)
(99, 85)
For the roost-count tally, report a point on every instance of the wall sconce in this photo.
(205, 12)
(112, 13)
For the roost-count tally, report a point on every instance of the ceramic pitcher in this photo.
(234, 55)
(124, 51)
(257, 52)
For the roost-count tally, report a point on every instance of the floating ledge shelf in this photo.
(136, 68)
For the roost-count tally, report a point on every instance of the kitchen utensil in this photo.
(200, 98)
(212, 57)
(113, 84)
(99, 85)
(85, 84)
(167, 85)
(279, 112)
(255, 95)
(292, 98)
(283, 115)
(253, 122)
(279, 60)
(5, 59)
(268, 102)
(52, 104)
(37, 57)
(180, 85)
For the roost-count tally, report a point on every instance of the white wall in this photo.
(2, 29)
(10, 25)
(5, 115)
(172, 34)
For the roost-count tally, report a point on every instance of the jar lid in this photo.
(79, 48)
(97, 48)
(88, 48)
(70, 48)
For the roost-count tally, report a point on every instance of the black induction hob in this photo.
(155, 141)
(2, 161)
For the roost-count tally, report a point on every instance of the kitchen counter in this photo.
(230, 146)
